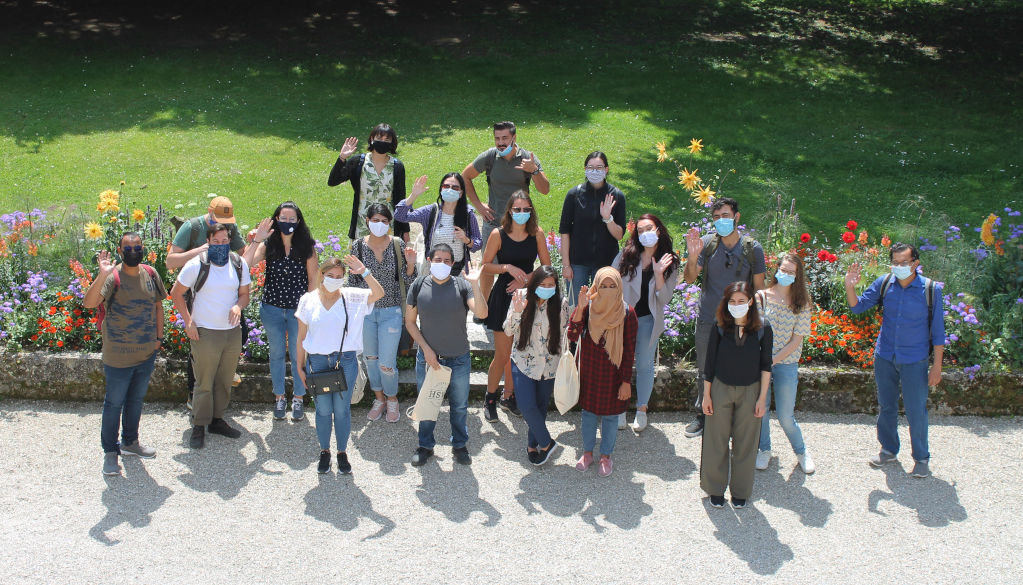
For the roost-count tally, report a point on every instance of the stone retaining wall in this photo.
(79, 376)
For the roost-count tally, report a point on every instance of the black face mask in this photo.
(381, 147)
(132, 258)
(287, 227)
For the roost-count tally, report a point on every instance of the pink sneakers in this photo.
(606, 465)
(393, 414)
(376, 411)
(584, 462)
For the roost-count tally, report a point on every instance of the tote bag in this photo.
(566, 382)
(431, 395)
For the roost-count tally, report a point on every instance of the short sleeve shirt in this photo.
(726, 266)
(325, 327)
(130, 327)
(183, 239)
(442, 311)
(212, 305)
(785, 324)
(503, 178)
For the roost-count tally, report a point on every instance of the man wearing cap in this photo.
(190, 241)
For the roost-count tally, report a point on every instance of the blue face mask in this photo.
(219, 253)
(522, 217)
(506, 151)
(545, 292)
(902, 272)
(784, 279)
(724, 226)
(450, 195)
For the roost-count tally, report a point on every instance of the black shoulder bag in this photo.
(333, 380)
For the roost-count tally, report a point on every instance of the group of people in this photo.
(605, 310)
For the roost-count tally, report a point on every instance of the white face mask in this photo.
(378, 228)
(332, 284)
(440, 270)
(648, 239)
(738, 311)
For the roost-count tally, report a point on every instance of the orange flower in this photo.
(885, 241)
(987, 230)
(863, 237)
(999, 249)
(60, 344)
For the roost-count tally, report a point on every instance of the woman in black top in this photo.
(510, 252)
(291, 271)
(377, 177)
(739, 358)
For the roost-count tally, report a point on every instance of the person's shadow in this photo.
(936, 501)
(338, 501)
(129, 500)
(455, 493)
(288, 443)
(651, 452)
(221, 466)
(750, 536)
(792, 494)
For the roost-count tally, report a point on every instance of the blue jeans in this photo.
(784, 380)
(534, 399)
(913, 381)
(381, 333)
(646, 353)
(122, 405)
(608, 432)
(277, 322)
(336, 405)
(581, 274)
(458, 399)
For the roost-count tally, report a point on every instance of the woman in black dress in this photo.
(511, 253)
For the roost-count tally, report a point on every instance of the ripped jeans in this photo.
(381, 333)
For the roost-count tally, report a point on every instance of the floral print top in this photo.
(376, 187)
(536, 361)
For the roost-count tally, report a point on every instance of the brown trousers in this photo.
(733, 419)
(214, 362)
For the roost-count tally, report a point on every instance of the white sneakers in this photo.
(639, 424)
(806, 463)
(763, 459)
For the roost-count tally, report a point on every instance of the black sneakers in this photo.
(490, 406)
(738, 503)
(544, 455)
(717, 501)
(534, 457)
(198, 438)
(219, 426)
(461, 456)
(695, 428)
(510, 405)
(324, 465)
(343, 466)
(421, 456)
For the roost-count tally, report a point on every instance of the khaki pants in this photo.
(214, 361)
(733, 419)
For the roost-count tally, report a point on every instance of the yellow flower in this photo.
(662, 151)
(112, 206)
(704, 195)
(695, 145)
(102, 206)
(688, 180)
(112, 219)
(93, 231)
(138, 215)
(987, 233)
(110, 195)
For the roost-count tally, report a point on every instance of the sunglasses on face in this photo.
(133, 248)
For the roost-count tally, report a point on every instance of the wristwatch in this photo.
(366, 273)
(606, 219)
(536, 172)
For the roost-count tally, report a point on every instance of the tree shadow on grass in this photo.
(935, 500)
(130, 500)
(338, 501)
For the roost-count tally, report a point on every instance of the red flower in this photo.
(34, 337)
(849, 237)
(805, 238)
(52, 311)
(60, 344)
(822, 255)
(832, 257)
(851, 225)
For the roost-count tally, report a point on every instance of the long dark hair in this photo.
(301, 240)
(506, 219)
(725, 319)
(633, 249)
(553, 311)
(461, 207)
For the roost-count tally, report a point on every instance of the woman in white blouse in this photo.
(330, 331)
(536, 325)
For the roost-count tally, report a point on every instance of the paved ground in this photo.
(255, 510)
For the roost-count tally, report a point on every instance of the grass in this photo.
(850, 108)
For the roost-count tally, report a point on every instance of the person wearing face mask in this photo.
(393, 265)
(509, 168)
(912, 329)
(191, 240)
(738, 370)
(511, 252)
(437, 307)
(605, 328)
(448, 221)
(592, 223)
(376, 177)
(330, 321)
(284, 241)
(721, 258)
(787, 304)
(209, 294)
(132, 299)
(649, 269)
(536, 324)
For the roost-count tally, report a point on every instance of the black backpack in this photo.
(204, 273)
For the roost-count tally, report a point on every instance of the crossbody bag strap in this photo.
(398, 258)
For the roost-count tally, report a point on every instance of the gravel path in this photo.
(255, 510)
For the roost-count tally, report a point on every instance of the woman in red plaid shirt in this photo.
(607, 354)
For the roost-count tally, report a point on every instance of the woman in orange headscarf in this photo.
(605, 328)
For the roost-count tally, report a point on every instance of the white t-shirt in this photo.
(324, 327)
(212, 306)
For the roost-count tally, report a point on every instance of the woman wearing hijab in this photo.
(605, 328)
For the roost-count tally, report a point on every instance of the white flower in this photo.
(211, 195)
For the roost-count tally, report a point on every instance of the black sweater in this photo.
(739, 365)
(351, 170)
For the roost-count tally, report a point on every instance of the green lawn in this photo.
(850, 108)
